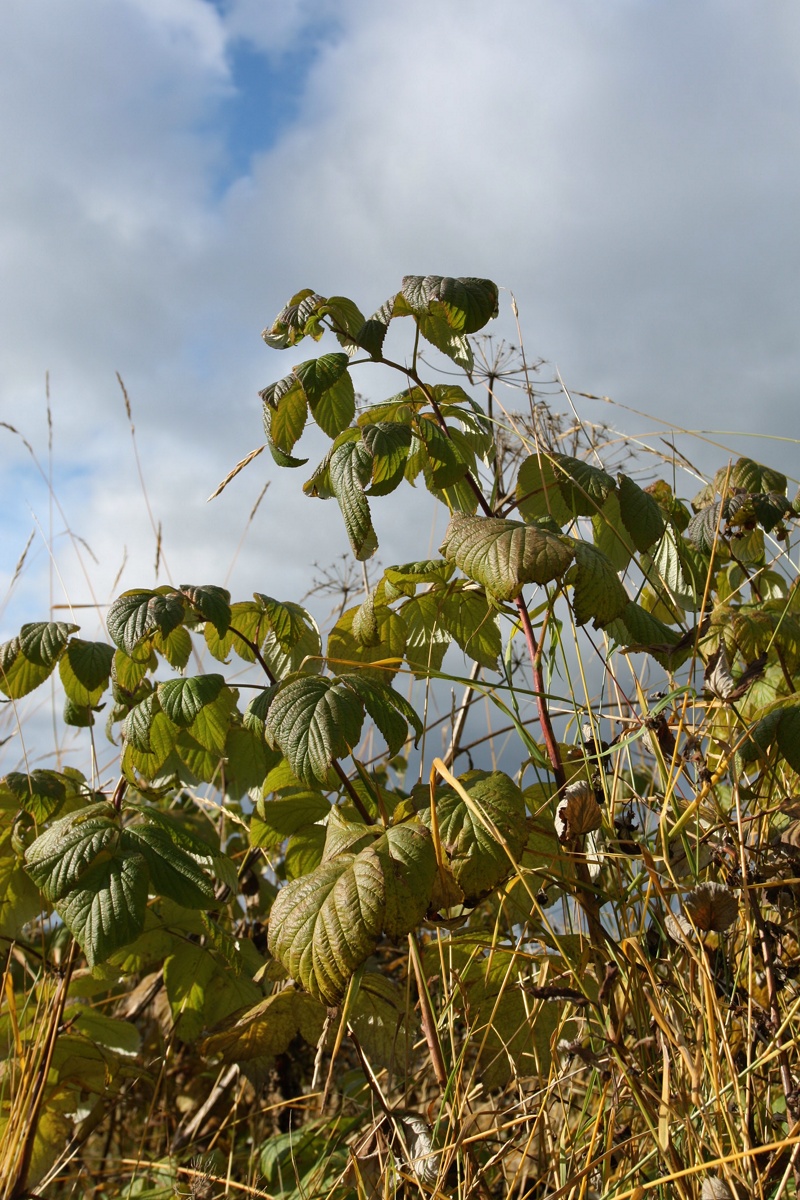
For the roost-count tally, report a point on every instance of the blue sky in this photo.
(174, 170)
(266, 97)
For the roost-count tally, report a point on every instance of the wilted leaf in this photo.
(269, 1028)
(578, 812)
(712, 907)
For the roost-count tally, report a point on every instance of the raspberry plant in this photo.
(466, 984)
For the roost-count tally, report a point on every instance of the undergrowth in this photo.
(488, 890)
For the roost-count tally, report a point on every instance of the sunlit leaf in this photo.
(137, 614)
(325, 925)
(314, 721)
(504, 555)
(598, 594)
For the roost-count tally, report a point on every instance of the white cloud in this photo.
(628, 169)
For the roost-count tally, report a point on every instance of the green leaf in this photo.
(388, 442)
(583, 487)
(598, 594)
(203, 989)
(538, 492)
(150, 737)
(388, 647)
(638, 630)
(779, 725)
(382, 1020)
(85, 670)
(504, 555)
(276, 820)
(390, 711)
(325, 925)
(62, 855)
(282, 458)
(610, 535)
(640, 513)
(137, 614)
(19, 897)
(41, 793)
(29, 658)
(365, 623)
(184, 699)
(480, 836)
(307, 647)
(289, 622)
(211, 603)
(285, 412)
(345, 837)
(703, 530)
(750, 476)
(404, 580)
(289, 327)
(304, 851)
(175, 646)
(372, 334)
(427, 637)
(345, 317)
(665, 570)
(789, 736)
(247, 760)
(317, 375)
(136, 729)
(435, 328)
(173, 873)
(314, 720)
(106, 910)
(350, 470)
(466, 304)
(79, 715)
(472, 621)
(127, 672)
(249, 619)
(334, 411)
(443, 465)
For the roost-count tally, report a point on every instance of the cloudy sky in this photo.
(173, 170)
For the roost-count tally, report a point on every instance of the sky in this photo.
(174, 170)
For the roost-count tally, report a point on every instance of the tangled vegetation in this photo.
(249, 953)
